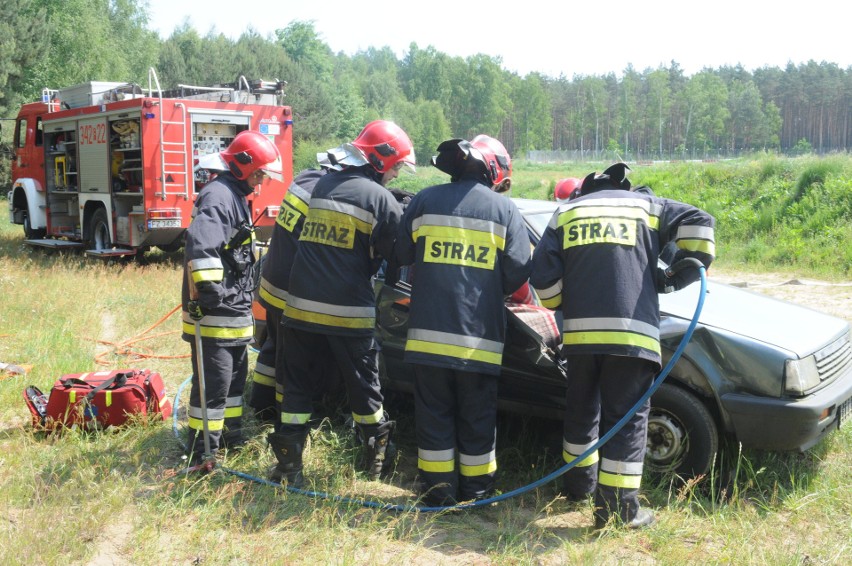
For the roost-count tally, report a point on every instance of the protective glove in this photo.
(666, 284)
(194, 310)
(680, 275)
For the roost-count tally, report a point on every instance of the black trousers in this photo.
(225, 371)
(263, 398)
(455, 410)
(302, 367)
(601, 391)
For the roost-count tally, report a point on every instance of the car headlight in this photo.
(800, 375)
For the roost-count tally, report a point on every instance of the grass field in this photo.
(118, 497)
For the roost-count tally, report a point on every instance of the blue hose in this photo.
(503, 496)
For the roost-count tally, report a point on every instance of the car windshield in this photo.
(537, 214)
(538, 221)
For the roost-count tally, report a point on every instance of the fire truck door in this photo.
(93, 155)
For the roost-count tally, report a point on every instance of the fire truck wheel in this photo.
(32, 233)
(99, 236)
(172, 247)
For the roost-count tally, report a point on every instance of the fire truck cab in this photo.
(114, 169)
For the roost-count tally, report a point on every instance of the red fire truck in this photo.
(114, 168)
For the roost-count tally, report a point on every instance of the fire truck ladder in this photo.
(174, 158)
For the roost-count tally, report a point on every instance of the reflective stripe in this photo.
(479, 465)
(208, 269)
(696, 239)
(453, 352)
(233, 412)
(264, 369)
(600, 210)
(295, 418)
(264, 375)
(212, 414)
(294, 207)
(550, 297)
(655, 210)
(577, 449)
(298, 197)
(208, 275)
(108, 397)
(329, 309)
(623, 468)
(451, 339)
(198, 424)
(694, 232)
(206, 263)
(615, 324)
(215, 418)
(589, 208)
(702, 246)
(454, 345)
(570, 452)
(272, 294)
(584, 463)
(613, 331)
(225, 327)
(610, 209)
(330, 315)
(219, 332)
(480, 235)
(615, 480)
(375, 418)
(616, 473)
(362, 218)
(221, 321)
(460, 222)
(439, 461)
(611, 338)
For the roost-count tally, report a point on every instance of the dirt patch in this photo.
(828, 297)
(110, 545)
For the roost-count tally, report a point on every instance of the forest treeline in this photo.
(646, 114)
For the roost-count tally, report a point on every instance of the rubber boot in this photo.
(476, 488)
(622, 506)
(288, 448)
(377, 440)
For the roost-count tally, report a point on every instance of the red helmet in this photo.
(567, 189)
(384, 144)
(251, 151)
(498, 164)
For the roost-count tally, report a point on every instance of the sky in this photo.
(549, 37)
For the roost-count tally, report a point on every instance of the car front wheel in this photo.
(682, 436)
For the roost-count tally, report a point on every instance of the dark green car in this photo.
(765, 373)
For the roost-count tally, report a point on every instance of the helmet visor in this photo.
(211, 162)
(274, 169)
(409, 163)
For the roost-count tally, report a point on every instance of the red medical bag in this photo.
(99, 399)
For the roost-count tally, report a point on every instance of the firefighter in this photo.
(470, 249)
(217, 287)
(274, 282)
(597, 260)
(567, 189)
(350, 228)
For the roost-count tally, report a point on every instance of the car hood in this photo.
(750, 314)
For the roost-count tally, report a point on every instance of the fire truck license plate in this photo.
(163, 223)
